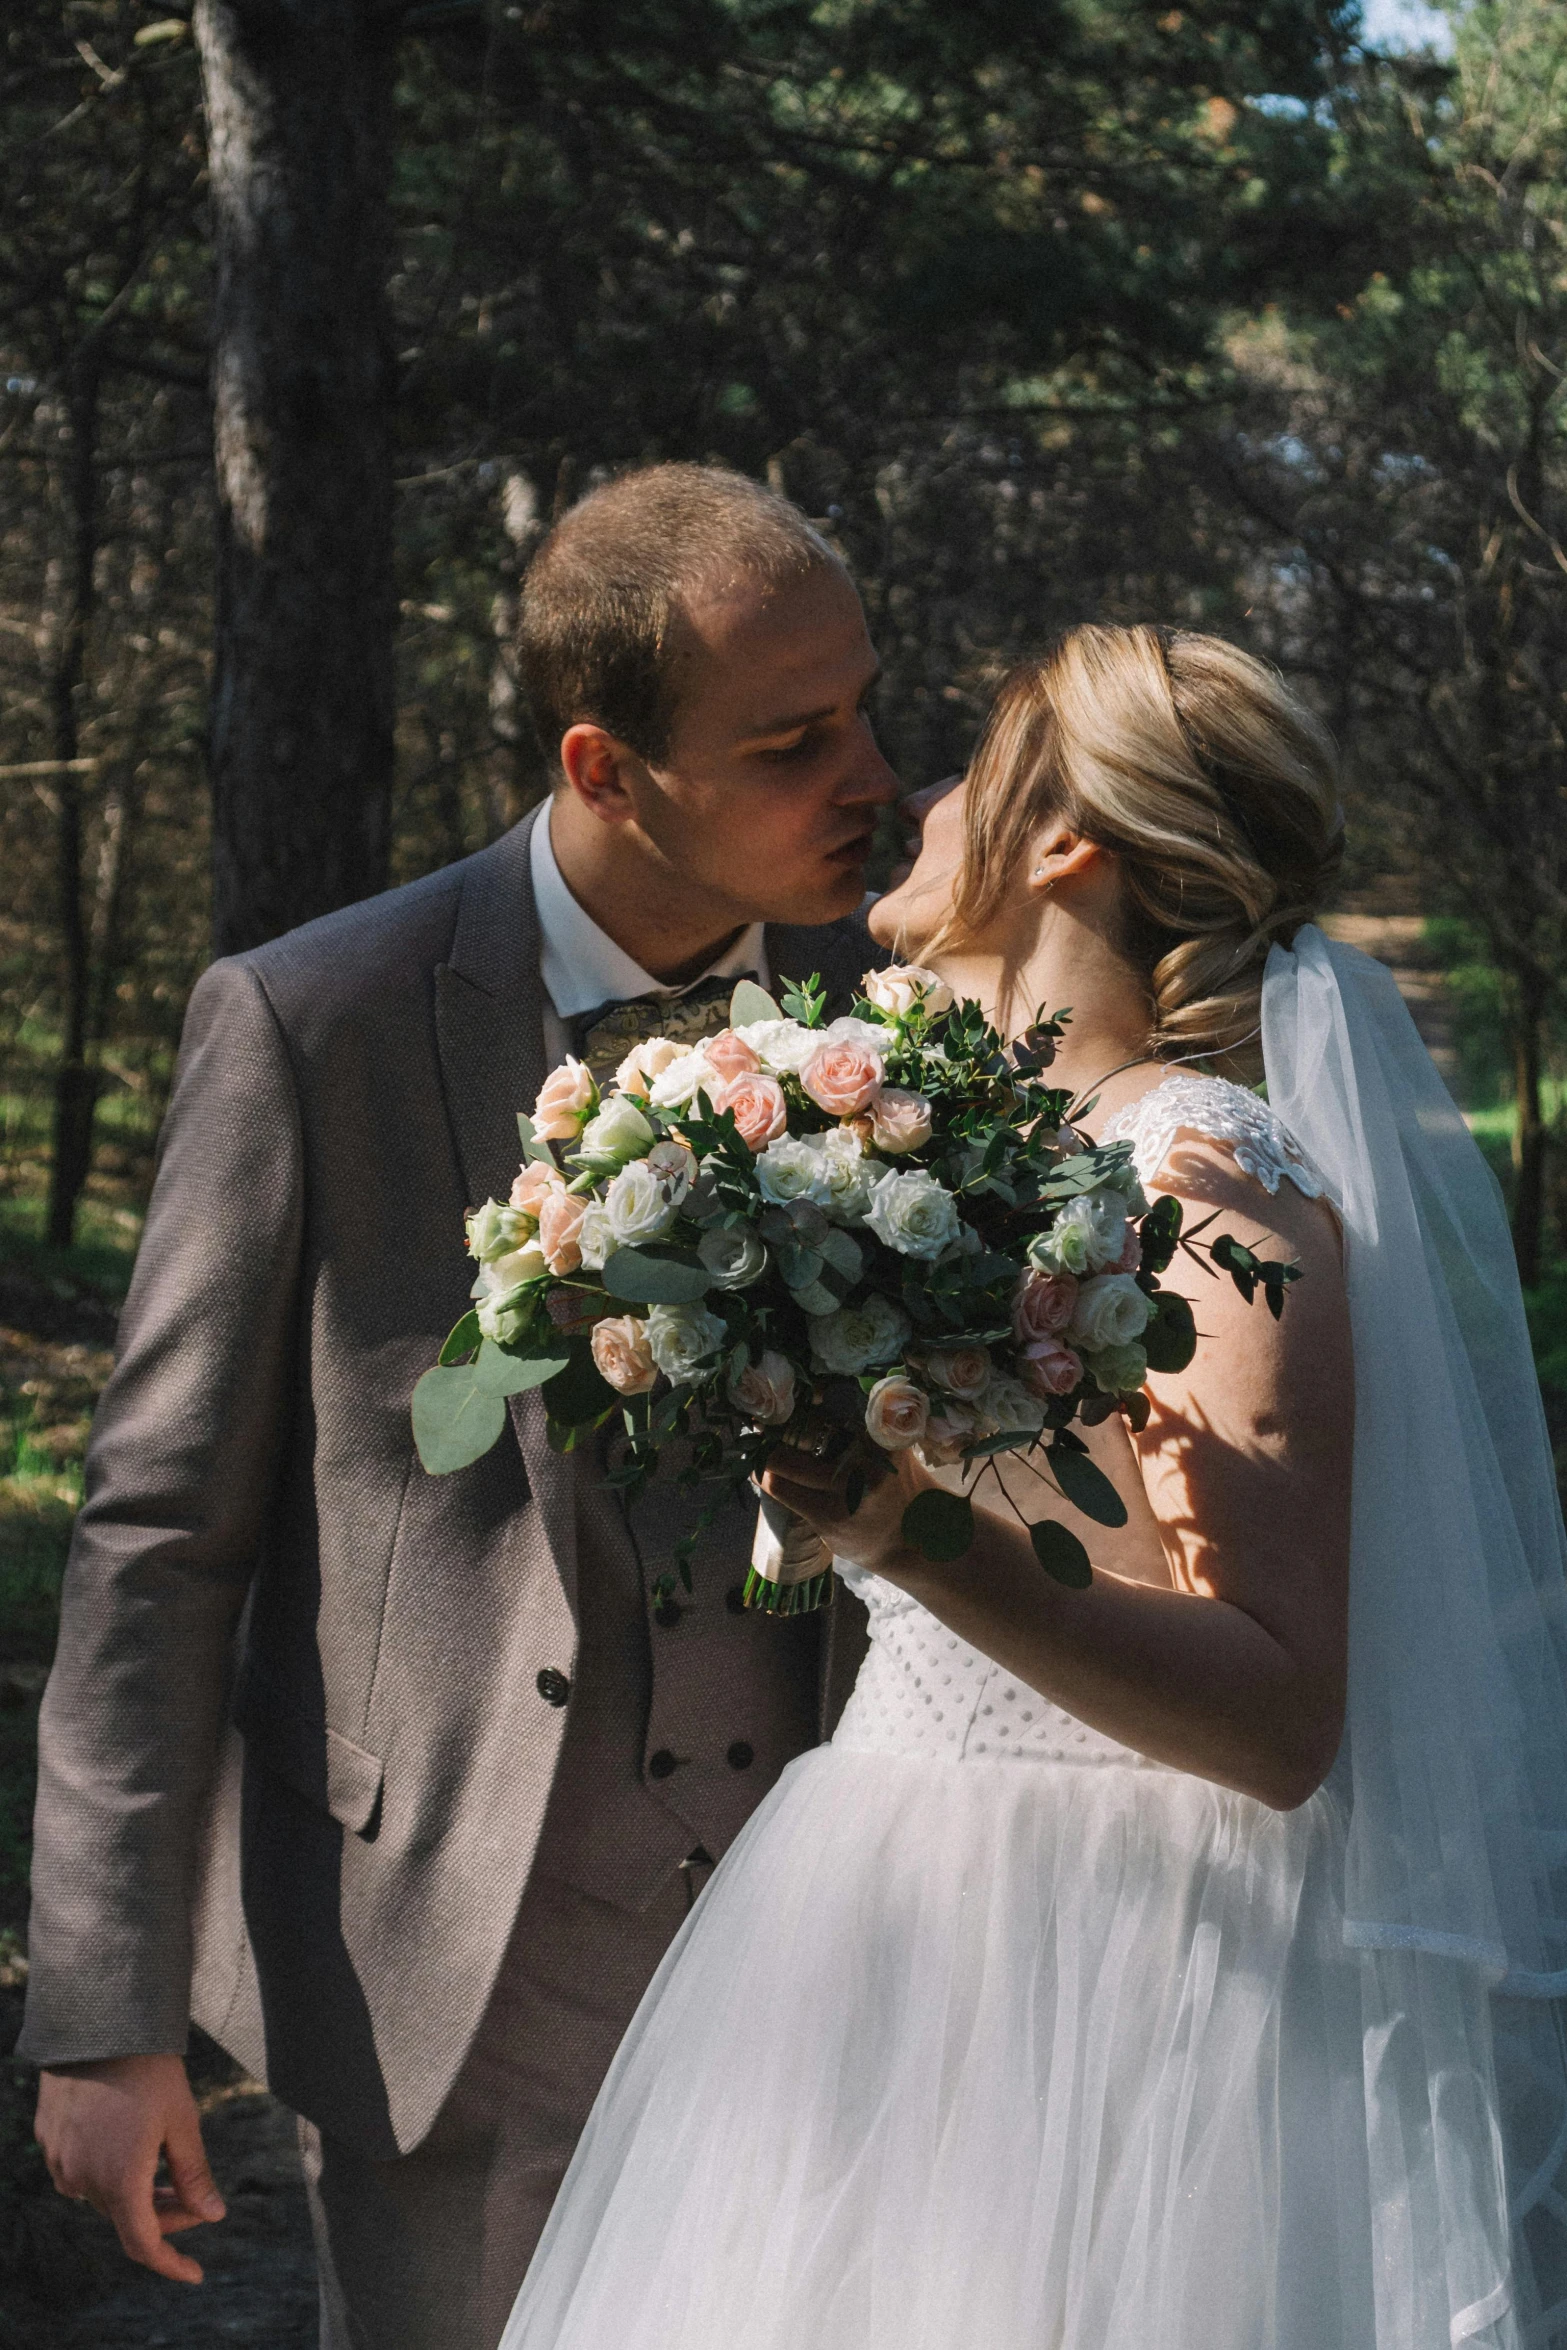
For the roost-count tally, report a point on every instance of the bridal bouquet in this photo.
(866, 1234)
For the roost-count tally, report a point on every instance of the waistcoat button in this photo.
(661, 1764)
(554, 1687)
(668, 1613)
(741, 1755)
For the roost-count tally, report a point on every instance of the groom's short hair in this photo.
(595, 640)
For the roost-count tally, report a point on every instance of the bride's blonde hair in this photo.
(1212, 784)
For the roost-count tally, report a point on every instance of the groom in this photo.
(402, 1784)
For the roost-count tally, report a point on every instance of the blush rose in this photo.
(843, 1077)
(1046, 1367)
(897, 1414)
(622, 1353)
(760, 1111)
(565, 1102)
(560, 1230)
(1043, 1306)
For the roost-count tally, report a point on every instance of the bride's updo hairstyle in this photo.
(1211, 783)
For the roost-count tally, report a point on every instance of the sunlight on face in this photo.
(914, 908)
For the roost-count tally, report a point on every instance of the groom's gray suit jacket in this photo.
(308, 1702)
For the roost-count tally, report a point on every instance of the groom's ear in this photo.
(599, 768)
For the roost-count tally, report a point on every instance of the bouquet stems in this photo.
(791, 1566)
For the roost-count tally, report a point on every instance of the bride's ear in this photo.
(1060, 854)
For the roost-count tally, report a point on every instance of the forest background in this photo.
(314, 313)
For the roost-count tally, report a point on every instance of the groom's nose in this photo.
(869, 782)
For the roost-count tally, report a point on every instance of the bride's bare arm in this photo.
(1214, 1636)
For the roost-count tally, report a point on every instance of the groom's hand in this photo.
(103, 2127)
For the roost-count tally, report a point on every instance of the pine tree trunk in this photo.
(75, 1084)
(298, 104)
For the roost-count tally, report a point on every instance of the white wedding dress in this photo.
(991, 2034)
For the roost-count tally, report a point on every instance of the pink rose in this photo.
(621, 1351)
(947, 1434)
(560, 1224)
(897, 1414)
(534, 1185)
(1049, 1368)
(843, 1078)
(964, 1371)
(761, 1113)
(899, 1121)
(764, 1390)
(1131, 1256)
(566, 1100)
(1043, 1305)
(728, 1055)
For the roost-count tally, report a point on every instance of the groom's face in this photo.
(769, 796)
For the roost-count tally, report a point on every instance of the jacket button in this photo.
(660, 1765)
(668, 1613)
(741, 1755)
(554, 1687)
(734, 1599)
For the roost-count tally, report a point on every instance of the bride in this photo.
(1170, 1965)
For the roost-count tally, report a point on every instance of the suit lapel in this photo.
(842, 952)
(489, 1020)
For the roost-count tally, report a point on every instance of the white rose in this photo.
(677, 1083)
(1008, 1404)
(914, 1214)
(1089, 1234)
(1110, 1311)
(638, 1206)
(734, 1254)
(852, 1339)
(845, 1178)
(764, 1390)
(1119, 1370)
(896, 991)
(505, 1273)
(681, 1339)
(647, 1060)
(594, 1238)
(787, 1170)
(494, 1231)
(782, 1046)
(502, 1319)
(847, 1030)
(618, 1132)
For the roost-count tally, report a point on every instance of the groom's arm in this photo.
(179, 1471)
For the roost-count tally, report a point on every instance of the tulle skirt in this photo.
(1014, 2055)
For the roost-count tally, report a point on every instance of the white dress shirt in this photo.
(582, 967)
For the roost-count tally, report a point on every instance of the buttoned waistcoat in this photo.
(303, 1722)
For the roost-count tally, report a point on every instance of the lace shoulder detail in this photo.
(1222, 1112)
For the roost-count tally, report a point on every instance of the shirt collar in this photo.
(580, 964)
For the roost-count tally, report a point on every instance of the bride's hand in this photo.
(871, 1536)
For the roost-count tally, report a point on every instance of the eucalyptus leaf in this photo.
(815, 1299)
(1061, 1554)
(940, 1524)
(1086, 1486)
(1006, 1440)
(799, 1266)
(645, 1280)
(463, 1340)
(843, 1253)
(1171, 1336)
(580, 1392)
(499, 1372)
(750, 1002)
(532, 1148)
(455, 1419)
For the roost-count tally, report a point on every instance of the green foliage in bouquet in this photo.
(871, 1233)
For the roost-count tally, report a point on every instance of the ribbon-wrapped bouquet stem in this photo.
(868, 1233)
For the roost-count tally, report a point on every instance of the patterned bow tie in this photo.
(604, 1036)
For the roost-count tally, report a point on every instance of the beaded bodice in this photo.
(921, 1690)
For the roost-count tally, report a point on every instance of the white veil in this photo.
(1455, 1760)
